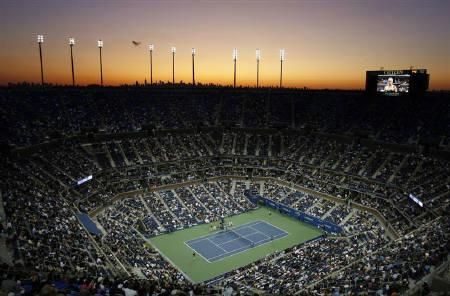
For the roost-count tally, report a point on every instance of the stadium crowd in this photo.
(184, 158)
(31, 115)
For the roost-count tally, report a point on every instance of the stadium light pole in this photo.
(235, 54)
(193, 66)
(282, 56)
(174, 50)
(40, 40)
(258, 57)
(100, 45)
(150, 48)
(71, 44)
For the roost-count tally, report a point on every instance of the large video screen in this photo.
(393, 85)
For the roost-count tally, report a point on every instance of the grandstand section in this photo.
(167, 164)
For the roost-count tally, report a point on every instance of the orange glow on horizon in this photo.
(328, 44)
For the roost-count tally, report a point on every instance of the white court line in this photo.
(219, 232)
(225, 255)
(240, 250)
(194, 242)
(257, 243)
(216, 245)
(207, 237)
(203, 239)
(242, 236)
(197, 252)
(239, 237)
(243, 250)
(259, 231)
(284, 233)
(264, 221)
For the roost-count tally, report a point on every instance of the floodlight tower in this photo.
(258, 57)
(100, 46)
(193, 66)
(235, 54)
(151, 47)
(282, 57)
(71, 44)
(174, 50)
(40, 40)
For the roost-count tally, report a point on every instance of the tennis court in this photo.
(173, 246)
(219, 245)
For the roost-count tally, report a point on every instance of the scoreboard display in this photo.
(397, 82)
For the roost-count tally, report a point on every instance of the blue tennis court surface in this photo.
(226, 243)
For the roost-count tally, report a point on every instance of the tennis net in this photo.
(242, 237)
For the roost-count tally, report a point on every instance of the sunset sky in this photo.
(329, 44)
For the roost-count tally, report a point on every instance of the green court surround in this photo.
(172, 246)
